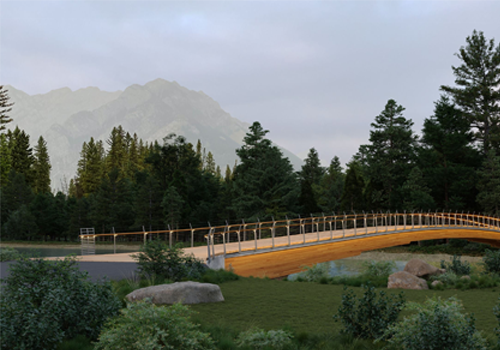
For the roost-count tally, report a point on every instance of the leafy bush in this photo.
(451, 280)
(218, 276)
(44, 301)
(370, 317)
(8, 254)
(145, 326)
(378, 268)
(491, 261)
(360, 280)
(457, 266)
(436, 325)
(314, 273)
(496, 312)
(157, 259)
(259, 339)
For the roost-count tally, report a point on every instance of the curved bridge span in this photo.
(322, 239)
(280, 247)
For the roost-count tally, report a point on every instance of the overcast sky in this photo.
(314, 73)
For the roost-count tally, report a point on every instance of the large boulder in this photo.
(405, 280)
(179, 292)
(419, 268)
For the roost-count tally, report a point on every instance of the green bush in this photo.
(378, 268)
(491, 261)
(451, 280)
(44, 301)
(8, 254)
(370, 317)
(360, 280)
(314, 273)
(218, 276)
(156, 258)
(436, 325)
(457, 266)
(145, 326)
(260, 339)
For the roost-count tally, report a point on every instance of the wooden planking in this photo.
(285, 262)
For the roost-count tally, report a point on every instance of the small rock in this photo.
(465, 277)
(419, 268)
(179, 292)
(406, 280)
(436, 283)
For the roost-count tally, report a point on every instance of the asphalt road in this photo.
(96, 270)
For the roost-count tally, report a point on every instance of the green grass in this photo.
(309, 307)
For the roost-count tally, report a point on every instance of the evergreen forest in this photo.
(125, 184)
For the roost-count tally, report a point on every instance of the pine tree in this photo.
(41, 168)
(387, 161)
(264, 181)
(5, 160)
(15, 194)
(353, 196)
(91, 167)
(116, 158)
(447, 157)
(148, 199)
(478, 88)
(210, 164)
(5, 108)
(172, 205)
(489, 184)
(21, 154)
(331, 187)
(310, 177)
(416, 193)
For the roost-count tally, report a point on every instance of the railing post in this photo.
(169, 236)
(324, 222)
(260, 230)
(244, 230)
(228, 234)
(331, 231)
(114, 241)
(239, 239)
(317, 226)
(366, 224)
(208, 244)
(255, 236)
(334, 224)
(224, 240)
(192, 235)
(343, 225)
(387, 216)
(412, 220)
(272, 230)
(212, 238)
(396, 221)
(376, 221)
(404, 220)
(355, 228)
(288, 229)
(303, 229)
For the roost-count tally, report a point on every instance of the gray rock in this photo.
(436, 283)
(179, 292)
(420, 268)
(465, 277)
(406, 280)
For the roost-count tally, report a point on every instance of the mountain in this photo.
(67, 118)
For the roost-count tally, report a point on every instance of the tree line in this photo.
(126, 184)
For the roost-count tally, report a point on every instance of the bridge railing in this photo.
(243, 236)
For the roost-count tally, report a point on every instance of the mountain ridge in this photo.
(67, 118)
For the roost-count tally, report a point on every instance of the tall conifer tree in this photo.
(41, 167)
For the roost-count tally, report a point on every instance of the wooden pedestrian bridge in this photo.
(280, 247)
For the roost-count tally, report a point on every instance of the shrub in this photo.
(370, 317)
(315, 272)
(145, 326)
(491, 261)
(218, 276)
(8, 254)
(436, 325)
(457, 266)
(259, 339)
(157, 259)
(378, 268)
(44, 301)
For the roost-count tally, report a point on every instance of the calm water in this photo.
(60, 252)
(350, 267)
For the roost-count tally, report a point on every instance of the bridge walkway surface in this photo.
(279, 248)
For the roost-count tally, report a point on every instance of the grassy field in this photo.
(309, 307)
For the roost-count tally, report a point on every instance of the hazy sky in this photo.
(314, 73)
